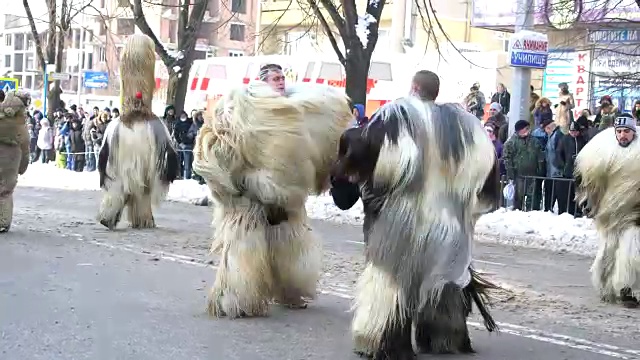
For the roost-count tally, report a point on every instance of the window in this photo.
(29, 64)
(236, 32)
(30, 43)
(102, 54)
(239, 6)
(235, 53)
(7, 40)
(28, 82)
(89, 62)
(103, 28)
(173, 31)
(505, 45)
(125, 26)
(102, 4)
(124, 3)
(380, 71)
(19, 43)
(7, 61)
(77, 36)
(88, 36)
(18, 62)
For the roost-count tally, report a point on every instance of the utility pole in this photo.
(398, 26)
(521, 87)
(81, 58)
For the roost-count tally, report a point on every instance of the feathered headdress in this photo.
(137, 77)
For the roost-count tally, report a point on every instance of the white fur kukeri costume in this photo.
(608, 179)
(425, 173)
(261, 156)
(137, 161)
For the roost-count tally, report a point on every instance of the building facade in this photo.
(99, 33)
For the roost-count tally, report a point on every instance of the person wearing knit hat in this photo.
(523, 157)
(521, 126)
(625, 126)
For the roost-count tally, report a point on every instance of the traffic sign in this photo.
(8, 84)
(528, 49)
(59, 76)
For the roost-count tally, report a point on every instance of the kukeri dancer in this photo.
(137, 161)
(261, 155)
(14, 150)
(608, 179)
(424, 177)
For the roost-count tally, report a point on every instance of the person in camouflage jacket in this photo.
(14, 151)
(523, 156)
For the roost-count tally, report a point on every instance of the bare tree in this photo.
(359, 34)
(51, 52)
(190, 18)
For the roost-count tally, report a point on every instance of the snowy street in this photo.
(72, 290)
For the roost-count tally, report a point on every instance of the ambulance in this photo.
(389, 77)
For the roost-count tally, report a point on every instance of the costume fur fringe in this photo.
(608, 175)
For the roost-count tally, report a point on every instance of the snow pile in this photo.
(540, 229)
(50, 176)
(531, 229)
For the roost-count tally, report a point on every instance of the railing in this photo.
(543, 193)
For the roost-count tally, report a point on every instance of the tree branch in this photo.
(82, 9)
(183, 18)
(338, 21)
(188, 40)
(328, 31)
(143, 25)
(375, 7)
(36, 36)
(350, 18)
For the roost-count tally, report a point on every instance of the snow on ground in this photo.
(531, 229)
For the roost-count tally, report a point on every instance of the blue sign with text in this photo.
(528, 59)
(613, 36)
(96, 79)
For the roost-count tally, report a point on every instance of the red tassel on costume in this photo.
(139, 95)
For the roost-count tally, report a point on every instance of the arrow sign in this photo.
(8, 84)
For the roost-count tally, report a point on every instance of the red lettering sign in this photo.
(536, 45)
(581, 57)
(579, 90)
(581, 69)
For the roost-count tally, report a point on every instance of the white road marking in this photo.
(338, 291)
(474, 260)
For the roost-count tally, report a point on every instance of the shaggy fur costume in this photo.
(137, 161)
(608, 177)
(261, 156)
(14, 151)
(425, 177)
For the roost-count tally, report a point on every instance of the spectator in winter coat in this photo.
(566, 97)
(491, 130)
(540, 134)
(500, 121)
(359, 114)
(76, 138)
(185, 140)
(542, 112)
(45, 145)
(198, 121)
(552, 171)
(502, 97)
(33, 140)
(90, 157)
(523, 156)
(606, 116)
(568, 148)
(474, 102)
(169, 117)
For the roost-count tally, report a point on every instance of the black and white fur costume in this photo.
(137, 161)
(424, 178)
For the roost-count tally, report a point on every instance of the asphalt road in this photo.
(70, 290)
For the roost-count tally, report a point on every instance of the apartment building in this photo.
(99, 33)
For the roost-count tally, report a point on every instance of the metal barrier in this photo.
(543, 193)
